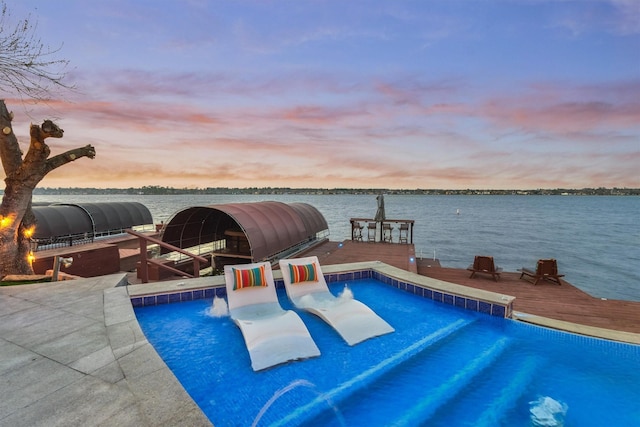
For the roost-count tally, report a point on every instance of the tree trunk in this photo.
(17, 221)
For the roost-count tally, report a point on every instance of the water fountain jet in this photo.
(219, 308)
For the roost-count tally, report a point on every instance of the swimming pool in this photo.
(443, 366)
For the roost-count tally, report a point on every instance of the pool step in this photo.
(310, 410)
(430, 402)
(507, 398)
(490, 403)
(425, 385)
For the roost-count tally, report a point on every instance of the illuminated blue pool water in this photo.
(443, 366)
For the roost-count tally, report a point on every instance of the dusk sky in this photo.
(449, 94)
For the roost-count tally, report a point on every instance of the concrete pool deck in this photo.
(72, 354)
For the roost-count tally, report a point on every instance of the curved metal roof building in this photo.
(87, 220)
(251, 231)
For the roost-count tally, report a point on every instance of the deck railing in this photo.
(145, 261)
(368, 229)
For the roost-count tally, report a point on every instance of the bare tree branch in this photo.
(70, 156)
(27, 66)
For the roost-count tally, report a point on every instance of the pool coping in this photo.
(575, 328)
(477, 300)
(495, 304)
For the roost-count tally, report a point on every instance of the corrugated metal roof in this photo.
(270, 227)
(58, 220)
(117, 215)
(61, 220)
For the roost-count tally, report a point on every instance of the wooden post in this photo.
(196, 267)
(411, 234)
(56, 268)
(144, 266)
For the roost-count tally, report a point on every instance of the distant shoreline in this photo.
(157, 190)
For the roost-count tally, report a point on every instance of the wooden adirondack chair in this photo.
(546, 269)
(485, 265)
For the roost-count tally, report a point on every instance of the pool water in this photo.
(443, 366)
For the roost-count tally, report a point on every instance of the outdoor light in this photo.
(28, 232)
(33, 245)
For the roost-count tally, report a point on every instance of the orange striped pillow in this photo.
(303, 273)
(248, 277)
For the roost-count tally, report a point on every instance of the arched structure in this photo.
(67, 224)
(247, 232)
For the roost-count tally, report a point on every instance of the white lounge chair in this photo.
(272, 335)
(308, 290)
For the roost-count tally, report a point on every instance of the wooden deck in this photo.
(565, 303)
(397, 255)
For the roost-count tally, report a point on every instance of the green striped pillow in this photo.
(303, 273)
(248, 277)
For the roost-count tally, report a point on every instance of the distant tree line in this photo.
(159, 190)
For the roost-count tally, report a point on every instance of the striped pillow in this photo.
(303, 273)
(248, 277)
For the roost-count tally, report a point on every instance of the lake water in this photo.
(596, 239)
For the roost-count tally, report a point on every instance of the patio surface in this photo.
(72, 354)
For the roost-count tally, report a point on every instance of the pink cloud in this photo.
(407, 135)
(567, 117)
